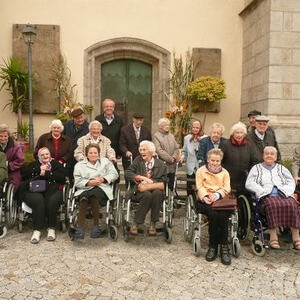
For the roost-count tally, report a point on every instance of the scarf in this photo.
(213, 170)
(236, 143)
(48, 164)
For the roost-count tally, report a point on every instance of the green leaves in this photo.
(207, 88)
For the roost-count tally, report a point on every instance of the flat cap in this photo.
(76, 112)
(262, 118)
(138, 115)
(254, 113)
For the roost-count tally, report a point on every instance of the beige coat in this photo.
(209, 183)
(105, 149)
(166, 148)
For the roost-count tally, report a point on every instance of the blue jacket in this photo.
(74, 135)
(204, 146)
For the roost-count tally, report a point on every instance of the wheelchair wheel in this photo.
(113, 232)
(3, 231)
(196, 245)
(11, 206)
(117, 210)
(168, 235)
(188, 228)
(20, 226)
(236, 247)
(244, 215)
(63, 226)
(258, 248)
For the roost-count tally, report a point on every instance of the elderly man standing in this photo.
(75, 129)
(260, 137)
(111, 124)
(130, 138)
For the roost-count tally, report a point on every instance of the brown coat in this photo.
(65, 146)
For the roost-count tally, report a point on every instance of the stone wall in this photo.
(271, 66)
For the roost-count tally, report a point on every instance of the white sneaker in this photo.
(35, 238)
(51, 235)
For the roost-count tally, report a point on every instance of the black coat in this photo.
(112, 131)
(128, 142)
(54, 178)
(237, 161)
(74, 133)
(258, 145)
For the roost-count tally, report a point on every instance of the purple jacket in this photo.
(15, 160)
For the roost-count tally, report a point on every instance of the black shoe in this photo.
(211, 253)
(225, 256)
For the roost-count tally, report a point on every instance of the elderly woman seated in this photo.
(166, 147)
(95, 137)
(59, 145)
(44, 204)
(148, 174)
(274, 186)
(213, 183)
(14, 155)
(93, 179)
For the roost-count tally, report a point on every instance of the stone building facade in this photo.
(271, 66)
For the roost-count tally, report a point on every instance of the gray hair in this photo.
(4, 128)
(238, 125)
(217, 126)
(215, 151)
(163, 121)
(149, 145)
(58, 123)
(97, 123)
(270, 148)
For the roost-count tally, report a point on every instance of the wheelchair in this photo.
(129, 207)
(8, 208)
(113, 216)
(193, 224)
(24, 211)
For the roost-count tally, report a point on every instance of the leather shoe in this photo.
(211, 253)
(225, 256)
(152, 230)
(134, 230)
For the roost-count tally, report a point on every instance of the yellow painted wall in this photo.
(171, 24)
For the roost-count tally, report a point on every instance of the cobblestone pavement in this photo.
(144, 268)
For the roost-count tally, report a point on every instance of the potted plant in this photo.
(23, 133)
(65, 90)
(205, 90)
(15, 79)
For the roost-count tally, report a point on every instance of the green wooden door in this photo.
(129, 83)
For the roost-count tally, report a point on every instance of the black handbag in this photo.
(37, 186)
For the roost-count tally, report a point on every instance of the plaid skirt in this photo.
(281, 211)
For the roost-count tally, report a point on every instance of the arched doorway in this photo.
(129, 83)
(100, 55)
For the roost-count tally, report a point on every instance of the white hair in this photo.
(270, 148)
(238, 125)
(149, 145)
(57, 123)
(163, 121)
(95, 122)
(217, 126)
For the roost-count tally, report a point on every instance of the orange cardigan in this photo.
(208, 183)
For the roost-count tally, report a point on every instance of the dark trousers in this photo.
(218, 224)
(95, 196)
(148, 200)
(171, 178)
(44, 205)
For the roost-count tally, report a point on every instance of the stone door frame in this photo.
(127, 48)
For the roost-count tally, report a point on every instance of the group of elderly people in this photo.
(245, 161)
